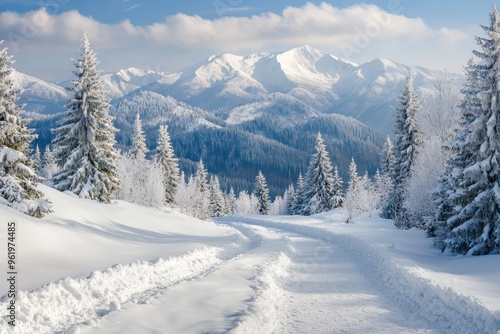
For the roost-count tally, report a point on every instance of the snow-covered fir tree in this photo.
(202, 192)
(231, 202)
(165, 156)
(469, 213)
(298, 204)
(387, 159)
(261, 192)
(217, 204)
(319, 190)
(338, 198)
(449, 182)
(437, 122)
(353, 188)
(406, 144)
(139, 149)
(49, 166)
(37, 161)
(290, 199)
(85, 135)
(18, 181)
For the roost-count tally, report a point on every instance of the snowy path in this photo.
(327, 292)
(277, 277)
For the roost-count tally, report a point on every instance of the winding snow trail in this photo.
(277, 277)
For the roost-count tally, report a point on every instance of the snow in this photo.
(121, 268)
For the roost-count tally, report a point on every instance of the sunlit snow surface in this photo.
(121, 268)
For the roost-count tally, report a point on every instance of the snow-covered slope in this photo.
(125, 81)
(121, 268)
(229, 80)
(40, 96)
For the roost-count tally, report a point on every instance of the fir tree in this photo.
(49, 163)
(201, 195)
(468, 217)
(290, 199)
(387, 159)
(139, 149)
(165, 156)
(231, 202)
(261, 192)
(319, 185)
(406, 145)
(37, 161)
(354, 178)
(217, 205)
(17, 180)
(338, 198)
(85, 136)
(298, 204)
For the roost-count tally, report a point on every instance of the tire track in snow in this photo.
(444, 308)
(57, 306)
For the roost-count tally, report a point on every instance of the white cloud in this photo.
(309, 24)
(350, 33)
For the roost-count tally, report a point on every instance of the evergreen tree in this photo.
(201, 195)
(231, 202)
(201, 177)
(354, 178)
(319, 185)
(261, 192)
(217, 206)
(290, 199)
(165, 156)
(49, 163)
(139, 149)
(17, 180)
(468, 217)
(298, 205)
(406, 145)
(37, 161)
(85, 136)
(338, 198)
(387, 159)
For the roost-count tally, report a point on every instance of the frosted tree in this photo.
(169, 164)
(261, 192)
(201, 195)
(139, 149)
(338, 198)
(353, 189)
(437, 122)
(298, 205)
(141, 181)
(469, 213)
(244, 203)
(17, 180)
(231, 202)
(85, 135)
(406, 145)
(383, 187)
(37, 161)
(319, 190)
(387, 159)
(49, 166)
(186, 195)
(217, 205)
(290, 199)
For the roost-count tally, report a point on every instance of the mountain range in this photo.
(271, 103)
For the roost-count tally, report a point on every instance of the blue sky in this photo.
(168, 35)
